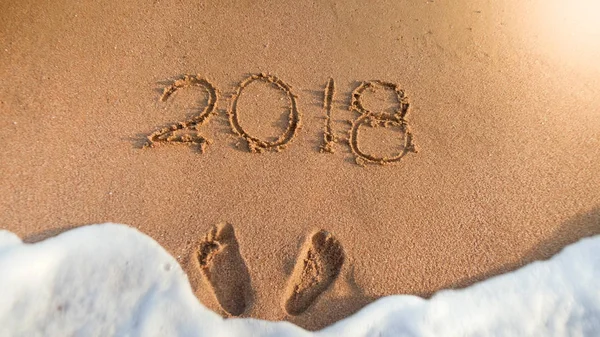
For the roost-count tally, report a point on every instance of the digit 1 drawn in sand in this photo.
(328, 136)
(319, 265)
(168, 134)
(224, 269)
(373, 119)
(255, 144)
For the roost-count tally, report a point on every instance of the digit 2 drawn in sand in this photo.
(168, 134)
(377, 119)
(255, 144)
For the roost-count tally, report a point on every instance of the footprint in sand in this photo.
(320, 263)
(224, 269)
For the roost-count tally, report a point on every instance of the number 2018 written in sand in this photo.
(366, 118)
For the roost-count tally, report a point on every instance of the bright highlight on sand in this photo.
(578, 17)
(572, 28)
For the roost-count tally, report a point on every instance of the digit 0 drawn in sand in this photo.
(255, 144)
(379, 119)
(329, 138)
(224, 269)
(319, 265)
(169, 134)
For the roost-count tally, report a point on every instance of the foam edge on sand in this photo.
(112, 280)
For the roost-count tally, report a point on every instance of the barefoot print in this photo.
(224, 269)
(319, 265)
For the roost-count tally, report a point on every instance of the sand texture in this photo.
(302, 159)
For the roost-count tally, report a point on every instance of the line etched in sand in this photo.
(319, 265)
(328, 136)
(169, 134)
(255, 144)
(371, 118)
(224, 269)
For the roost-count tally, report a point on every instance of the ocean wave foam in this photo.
(112, 280)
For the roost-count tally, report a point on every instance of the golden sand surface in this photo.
(248, 137)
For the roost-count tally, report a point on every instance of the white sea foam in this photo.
(111, 280)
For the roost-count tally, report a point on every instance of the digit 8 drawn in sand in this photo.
(255, 144)
(167, 134)
(368, 117)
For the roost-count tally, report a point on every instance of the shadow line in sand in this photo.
(46, 234)
(580, 226)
